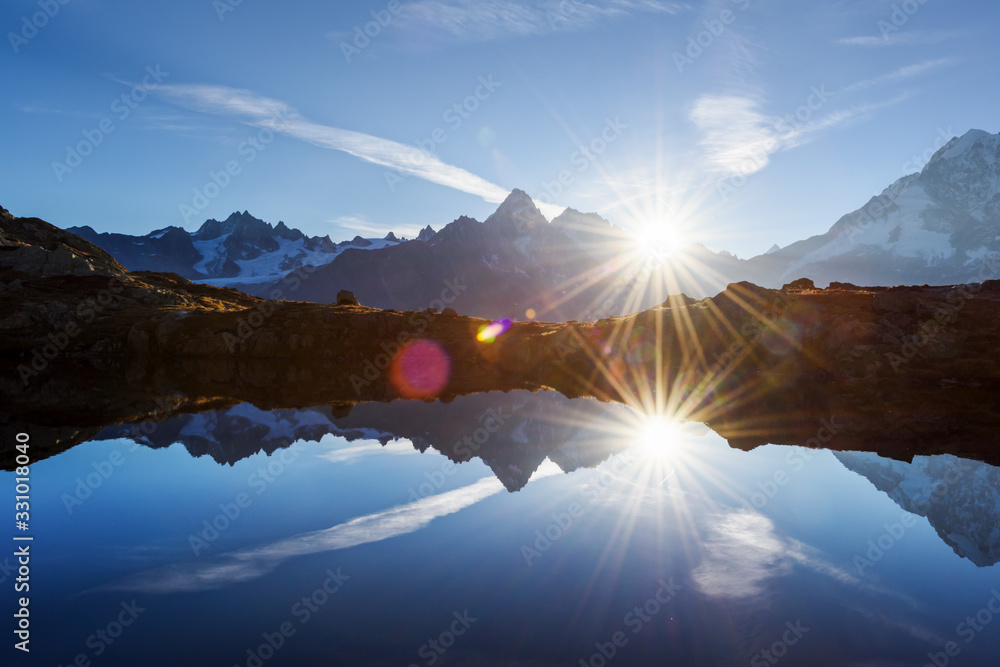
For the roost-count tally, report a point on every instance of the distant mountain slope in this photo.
(237, 252)
(940, 226)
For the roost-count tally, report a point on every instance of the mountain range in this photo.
(511, 432)
(938, 226)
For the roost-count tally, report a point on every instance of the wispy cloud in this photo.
(742, 554)
(740, 138)
(364, 226)
(486, 20)
(902, 38)
(355, 453)
(264, 112)
(901, 74)
(736, 134)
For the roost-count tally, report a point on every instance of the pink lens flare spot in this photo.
(491, 331)
(421, 370)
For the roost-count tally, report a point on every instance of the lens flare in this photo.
(420, 370)
(490, 332)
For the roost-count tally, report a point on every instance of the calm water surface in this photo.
(579, 533)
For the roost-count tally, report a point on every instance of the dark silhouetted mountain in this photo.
(513, 261)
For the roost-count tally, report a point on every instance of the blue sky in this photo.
(676, 114)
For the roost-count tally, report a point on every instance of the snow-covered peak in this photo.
(959, 146)
(775, 248)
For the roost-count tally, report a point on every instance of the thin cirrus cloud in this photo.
(497, 19)
(263, 112)
(908, 38)
(901, 74)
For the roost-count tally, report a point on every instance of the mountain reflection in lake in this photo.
(503, 529)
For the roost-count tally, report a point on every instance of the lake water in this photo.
(570, 533)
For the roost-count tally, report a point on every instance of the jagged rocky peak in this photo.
(391, 237)
(517, 214)
(574, 219)
(965, 174)
(426, 234)
(282, 230)
(971, 142)
(213, 229)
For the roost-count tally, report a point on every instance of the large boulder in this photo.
(347, 298)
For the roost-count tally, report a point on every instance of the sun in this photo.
(658, 437)
(658, 239)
